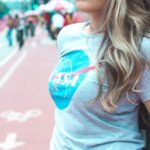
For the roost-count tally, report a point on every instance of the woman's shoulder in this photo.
(145, 47)
(68, 35)
(145, 42)
(70, 30)
(74, 26)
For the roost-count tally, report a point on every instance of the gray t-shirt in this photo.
(80, 121)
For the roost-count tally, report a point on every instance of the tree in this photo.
(35, 4)
(3, 9)
(45, 1)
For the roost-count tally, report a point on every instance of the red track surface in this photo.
(26, 89)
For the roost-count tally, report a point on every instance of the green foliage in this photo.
(45, 1)
(35, 4)
(3, 9)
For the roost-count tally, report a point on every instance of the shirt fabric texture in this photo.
(80, 121)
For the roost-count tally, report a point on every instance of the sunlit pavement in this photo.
(5, 50)
(26, 110)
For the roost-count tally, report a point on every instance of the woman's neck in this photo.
(94, 23)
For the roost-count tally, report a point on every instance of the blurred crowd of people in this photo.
(25, 26)
(56, 20)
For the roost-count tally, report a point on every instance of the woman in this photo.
(68, 19)
(102, 76)
(19, 25)
(10, 30)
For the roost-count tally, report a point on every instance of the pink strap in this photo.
(80, 71)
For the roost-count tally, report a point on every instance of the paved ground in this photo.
(26, 110)
(5, 50)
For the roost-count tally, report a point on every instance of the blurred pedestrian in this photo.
(31, 25)
(41, 20)
(102, 75)
(48, 20)
(10, 26)
(20, 26)
(57, 23)
(27, 27)
(68, 19)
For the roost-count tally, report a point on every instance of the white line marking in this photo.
(11, 142)
(8, 57)
(11, 115)
(12, 69)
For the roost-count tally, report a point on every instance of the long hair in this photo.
(125, 23)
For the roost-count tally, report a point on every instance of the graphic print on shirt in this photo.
(68, 75)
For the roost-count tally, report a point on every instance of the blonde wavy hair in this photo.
(125, 23)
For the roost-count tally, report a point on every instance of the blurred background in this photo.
(28, 54)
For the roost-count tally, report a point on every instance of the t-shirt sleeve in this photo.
(144, 84)
(61, 41)
(65, 39)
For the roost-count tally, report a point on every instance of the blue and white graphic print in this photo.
(68, 75)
